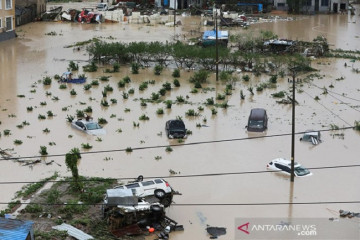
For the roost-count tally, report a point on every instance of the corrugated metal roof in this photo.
(11, 229)
(72, 231)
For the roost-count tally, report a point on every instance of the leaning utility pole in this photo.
(293, 129)
(216, 46)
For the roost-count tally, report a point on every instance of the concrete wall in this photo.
(7, 35)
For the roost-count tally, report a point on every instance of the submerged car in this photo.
(284, 165)
(311, 136)
(175, 129)
(88, 126)
(258, 120)
(152, 190)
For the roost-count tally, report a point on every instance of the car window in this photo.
(147, 183)
(92, 126)
(80, 124)
(301, 171)
(282, 167)
(121, 187)
(158, 181)
(133, 185)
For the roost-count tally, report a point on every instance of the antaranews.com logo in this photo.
(296, 228)
(301, 230)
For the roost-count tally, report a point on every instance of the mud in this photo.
(33, 55)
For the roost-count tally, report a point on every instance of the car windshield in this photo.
(256, 123)
(177, 124)
(92, 126)
(301, 171)
(101, 5)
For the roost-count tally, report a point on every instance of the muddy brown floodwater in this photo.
(33, 55)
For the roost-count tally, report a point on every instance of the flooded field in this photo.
(34, 55)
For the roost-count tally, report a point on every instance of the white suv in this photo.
(284, 165)
(150, 188)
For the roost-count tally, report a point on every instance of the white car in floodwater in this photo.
(88, 126)
(284, 165)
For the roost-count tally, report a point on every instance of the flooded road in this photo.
(34, 55)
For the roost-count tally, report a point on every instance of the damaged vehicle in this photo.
(151, 190)
(175, 129)
(311, 136)
(88, 126)
(121, 208)
(284, 165)
(132, 208)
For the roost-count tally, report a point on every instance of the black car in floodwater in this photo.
(258, 120)
(175, 129)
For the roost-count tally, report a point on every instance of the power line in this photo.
(171, 145)
(337, 98)
(192, 204)
(328, 109)
(177, 176)
(335, 92)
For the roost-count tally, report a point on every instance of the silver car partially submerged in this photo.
(88, 126)
(311, 136)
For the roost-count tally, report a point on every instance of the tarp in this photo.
(72, 231)
(212, 35)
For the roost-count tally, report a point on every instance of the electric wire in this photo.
(328, 92)
(172, 145)
(335, 93)
(328, 109)
(174, 176)
(192, 204)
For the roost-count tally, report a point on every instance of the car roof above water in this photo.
(257, 113)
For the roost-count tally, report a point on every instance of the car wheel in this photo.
(166, 202)
(159, 193)
(155, 208)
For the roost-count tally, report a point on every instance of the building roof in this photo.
(11, 229)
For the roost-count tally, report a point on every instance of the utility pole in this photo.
(174, 13)
(293, 130)
(217, 46)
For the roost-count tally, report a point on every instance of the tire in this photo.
(166, 202)
(159, 193)
(156, 208)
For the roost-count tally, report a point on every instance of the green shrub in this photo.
(158, 69)
(160, 111)
(135, 68)
(47, 81)
(33, 208)
(127, 79)
(168, 104)
(246, 78)
(176, 73)
(176, 82)
(90, 67)
(144, 117)
(73, 66)
(280, 94)
(121, 84)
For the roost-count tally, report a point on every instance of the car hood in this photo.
(96, 132)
